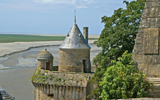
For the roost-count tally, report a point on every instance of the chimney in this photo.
(85, 33)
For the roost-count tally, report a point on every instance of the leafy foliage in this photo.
(117, 36)
(122, 80)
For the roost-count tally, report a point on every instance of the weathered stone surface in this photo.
(142, 67)
(139, 38)
(138, 58)
(151, 41)
(153, 70)
(71, 60)
(155, 89)
(146, 50)
(145, 23)
(138, 48)
(63, 86)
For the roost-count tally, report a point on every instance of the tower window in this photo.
(84, 66)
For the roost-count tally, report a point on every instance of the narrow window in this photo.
(50, 95)
(47, 65)
(84, 66)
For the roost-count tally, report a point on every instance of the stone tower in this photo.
(74, 52)
(147, 45)
(70, 79)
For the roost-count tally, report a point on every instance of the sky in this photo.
(54, 16)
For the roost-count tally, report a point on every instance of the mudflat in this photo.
(16, 81)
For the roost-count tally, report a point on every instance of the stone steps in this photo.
(155, 81)
(6, 96)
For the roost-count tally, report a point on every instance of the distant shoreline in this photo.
(7, 49)
(37, 34)
(9, 38)
(5, 55)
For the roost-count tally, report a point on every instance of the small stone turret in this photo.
(45, 60)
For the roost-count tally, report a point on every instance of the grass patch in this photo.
(6, 38)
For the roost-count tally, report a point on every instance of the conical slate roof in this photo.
(74, 40)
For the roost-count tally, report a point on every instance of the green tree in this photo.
(117, 36)
(122, 80)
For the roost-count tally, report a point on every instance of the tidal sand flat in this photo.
(16, 81)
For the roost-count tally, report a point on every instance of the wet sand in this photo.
(16, 81)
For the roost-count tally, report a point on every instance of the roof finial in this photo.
(75, 16)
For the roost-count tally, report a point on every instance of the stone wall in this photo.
(50, 85)
(54, 68)
(56, 92)
(70, 60)
(41, 64)
(155, 89)
(147, 45)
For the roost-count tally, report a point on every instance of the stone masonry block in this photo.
(150, 4)
(145, 23)
(138, 49)
(152, 12)
(148, 59)
(151, 41)
(139, 38)
(157, 13)
(158, 4)
(156, 59)
(157, 23)
(152, 23)
(138, 58)
(142, 67)
(154, 70)
(145, 13)
(140, 30)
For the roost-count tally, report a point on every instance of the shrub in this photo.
(122, 80)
